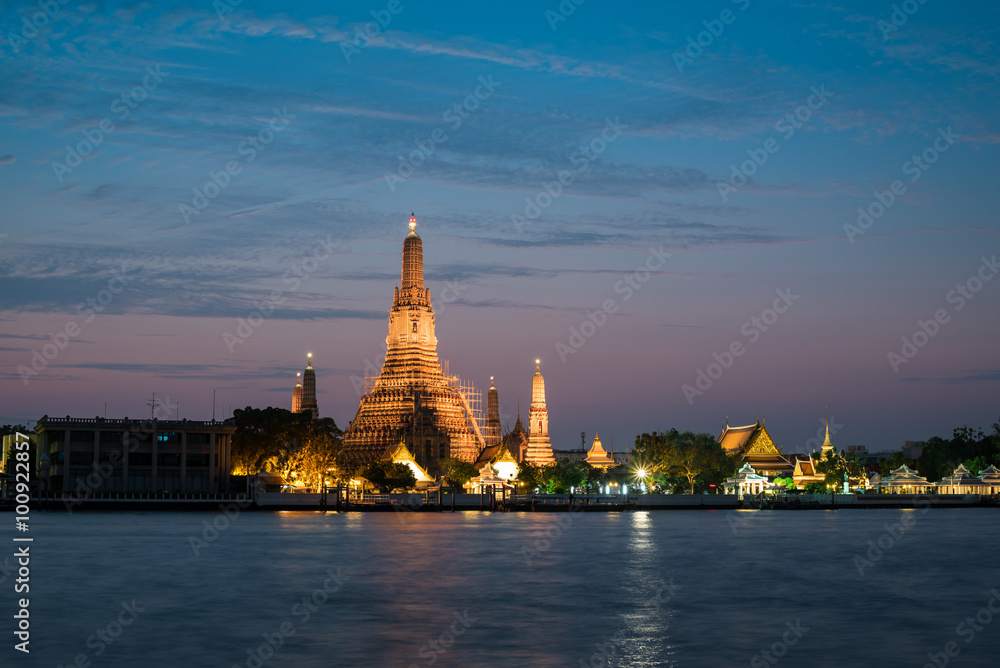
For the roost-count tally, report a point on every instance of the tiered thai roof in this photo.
(754, 445)
(960, 477)
(493, 454)
(989, 473)
(902, 477)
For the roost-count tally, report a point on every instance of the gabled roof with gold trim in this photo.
(804, 467)
(493, 454)
(752, 439)
(400, 454)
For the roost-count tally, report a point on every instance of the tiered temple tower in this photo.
(492, 433)
(827, 443)
(539, 450)
(297, 394)
(411, 400)
(309, 388)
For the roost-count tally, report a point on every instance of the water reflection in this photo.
(508, 589)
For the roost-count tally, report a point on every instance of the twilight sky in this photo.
(115, 117)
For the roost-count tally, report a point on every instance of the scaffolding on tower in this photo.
(472, 400)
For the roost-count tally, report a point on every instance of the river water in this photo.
(667, 588)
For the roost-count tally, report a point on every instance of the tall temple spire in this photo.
(827, 443)
(493, 433)
(297, 394)
(309, 388)
(411, 400)
(412, 278)
(539, 449)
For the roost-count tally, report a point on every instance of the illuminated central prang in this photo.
(411, 401)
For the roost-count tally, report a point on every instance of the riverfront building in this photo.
(98, 454)
(754, 446)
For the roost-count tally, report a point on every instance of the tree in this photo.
(694, 455)
(264, 436)
(682, 457)
(529, 475)
(11, 429)
(389, 475)
(651, 451)
(575, 474)
(457, 472)
(887, 466)
(316, 454)
(940, 457)
(787, 483)
(835, 466)
(293, 444)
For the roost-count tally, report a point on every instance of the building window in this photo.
(197, 460)
(169, 459)
(77, 458)
(140, 459)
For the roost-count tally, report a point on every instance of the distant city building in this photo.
(309, 389)
(98, 454)
(913, 449)
(297, 395)
(539, 449)
(752, 444)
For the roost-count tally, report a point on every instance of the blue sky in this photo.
(334, 115)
